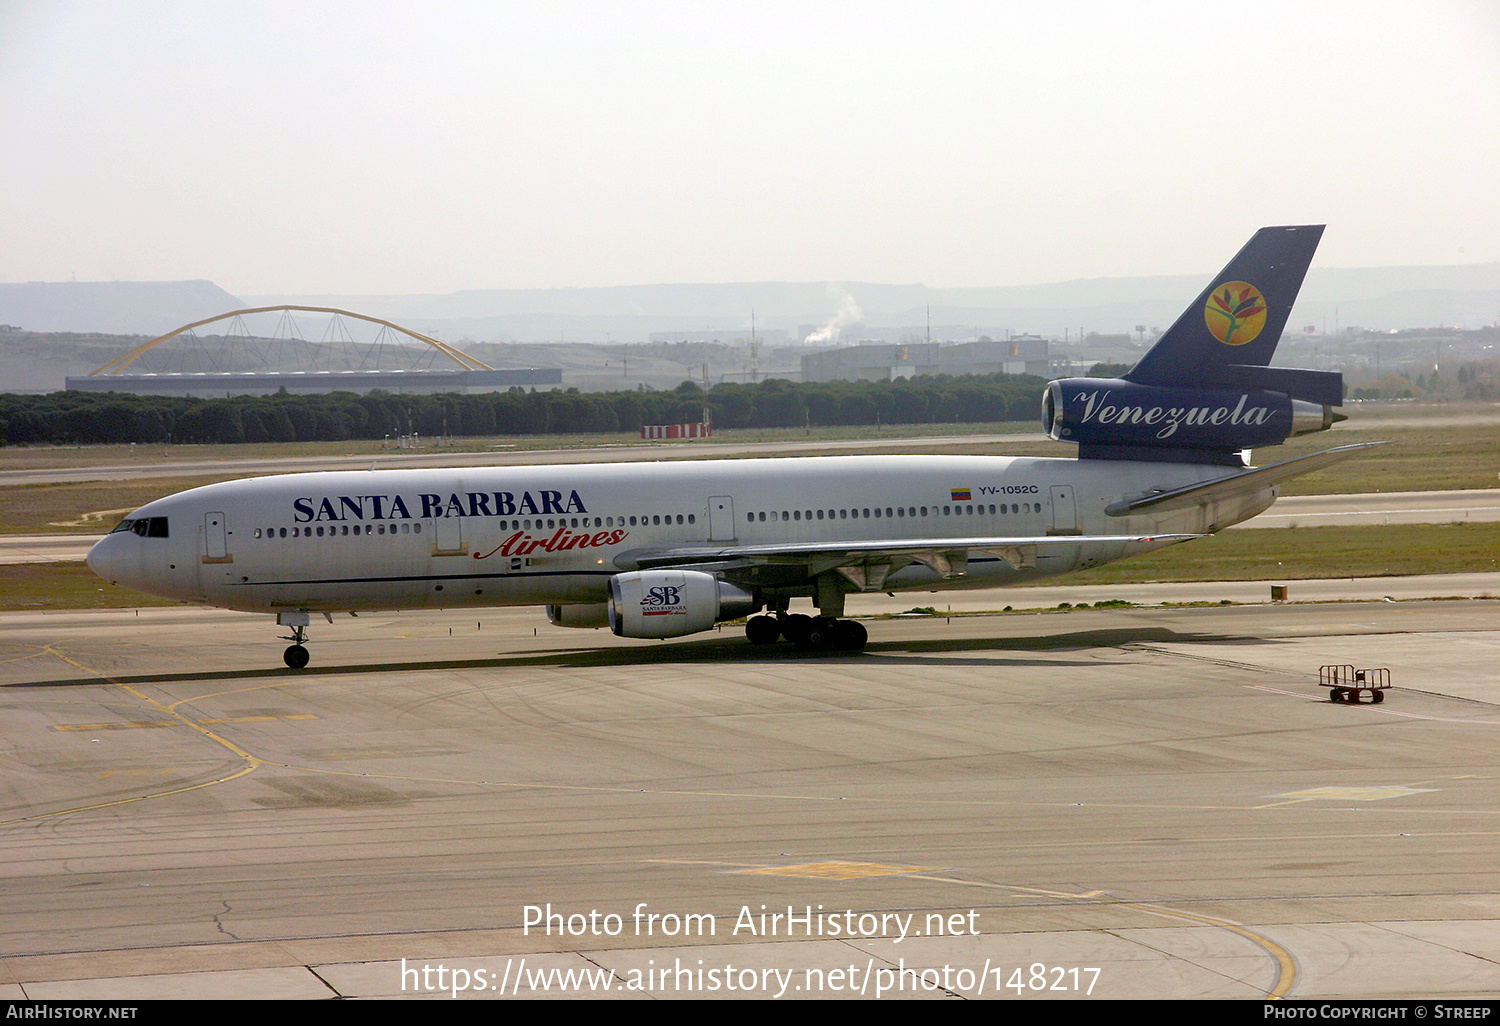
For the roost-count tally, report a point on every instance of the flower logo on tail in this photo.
(1235, 313)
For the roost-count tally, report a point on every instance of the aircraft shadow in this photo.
(942, 651)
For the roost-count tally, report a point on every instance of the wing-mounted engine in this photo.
(585, 615)
(671, 603)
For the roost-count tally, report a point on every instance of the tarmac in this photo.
(1154, 801)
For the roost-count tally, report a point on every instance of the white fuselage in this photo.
(400, 539)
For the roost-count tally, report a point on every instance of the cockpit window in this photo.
(146, 527)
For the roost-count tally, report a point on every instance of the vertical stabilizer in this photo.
(1237, 320)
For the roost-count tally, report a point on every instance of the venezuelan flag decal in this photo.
(962, 495)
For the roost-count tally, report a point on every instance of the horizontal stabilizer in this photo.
(1326, 388)
(1235, 484)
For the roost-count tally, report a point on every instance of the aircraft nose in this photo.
(101, 558)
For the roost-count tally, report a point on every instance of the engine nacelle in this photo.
(593, 614)
(1100, 413)
(671, 603)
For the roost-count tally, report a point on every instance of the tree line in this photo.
(87, 418)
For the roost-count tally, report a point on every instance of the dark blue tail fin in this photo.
(1206, 391)
(1228, 335)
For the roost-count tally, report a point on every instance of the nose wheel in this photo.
(296, 655)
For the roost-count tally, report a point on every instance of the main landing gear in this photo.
(811, 633)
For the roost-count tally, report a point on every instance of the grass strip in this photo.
(1310, 553)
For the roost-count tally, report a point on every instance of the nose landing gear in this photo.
(296, 654)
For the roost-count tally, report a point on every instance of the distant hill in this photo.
(1376, 298)
(113, 307)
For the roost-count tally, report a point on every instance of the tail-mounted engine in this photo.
(1111, 418)
(1206, 390)
(671, 603)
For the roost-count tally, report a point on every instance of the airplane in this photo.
(664, 550)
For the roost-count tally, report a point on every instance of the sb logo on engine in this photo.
(663, 596)
(1235, 313)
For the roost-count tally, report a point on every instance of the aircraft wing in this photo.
(1233, 484)
(867, 564)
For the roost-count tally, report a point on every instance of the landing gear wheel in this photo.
(825, 633)
(762, 630)
(820, 634)
(795, 627)
(850, 635)
(296, 656)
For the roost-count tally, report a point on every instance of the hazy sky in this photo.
(370, 147)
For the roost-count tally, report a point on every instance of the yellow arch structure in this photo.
(466, 362)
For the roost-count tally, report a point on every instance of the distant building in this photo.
(723, 336)
(1022, 354)
(395, 382)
